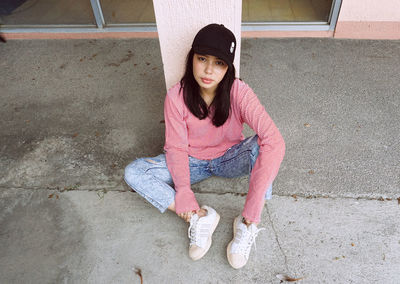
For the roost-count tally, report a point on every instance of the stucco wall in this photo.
(179, 21)
(369, 19)
(370, 10)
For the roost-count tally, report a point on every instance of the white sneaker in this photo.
(200, 232)
(238, 250)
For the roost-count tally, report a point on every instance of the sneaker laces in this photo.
(194, 237)
(244, 238)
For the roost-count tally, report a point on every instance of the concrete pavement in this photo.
(96, 237)
(76, 112)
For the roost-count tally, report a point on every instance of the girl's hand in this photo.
(186, 216)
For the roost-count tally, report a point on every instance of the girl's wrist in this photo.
(247, 222)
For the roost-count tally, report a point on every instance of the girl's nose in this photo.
(208, 69)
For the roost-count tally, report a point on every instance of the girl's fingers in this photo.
(186, 216)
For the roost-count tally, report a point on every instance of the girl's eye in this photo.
(220, 63)
(201, 58)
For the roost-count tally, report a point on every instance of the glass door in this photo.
(286, 10)
(46, 12)
(128, 11)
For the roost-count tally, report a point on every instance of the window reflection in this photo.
(46, 12)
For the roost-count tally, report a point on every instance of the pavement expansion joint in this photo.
(58, 189)
(311, 196)
(117, 188)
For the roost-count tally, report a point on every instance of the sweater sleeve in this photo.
(271, 152)
(176, 148)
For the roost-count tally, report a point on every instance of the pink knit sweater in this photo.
(186, 135)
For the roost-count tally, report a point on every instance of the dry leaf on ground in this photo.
(138, 271)
(284, 277)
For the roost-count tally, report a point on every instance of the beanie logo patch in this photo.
(232, 47)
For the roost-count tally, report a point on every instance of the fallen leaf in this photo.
(284, 277)
(51, 195)
(147, 63)
(97, 134)
(307, 125)
(294, 196)
(74, 135)
(398, 200)
(311, 172)
(138, 271)
(352, 244)
(57, 197)
(381, 199)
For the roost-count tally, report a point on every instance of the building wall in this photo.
(358, 19)
(369, 19)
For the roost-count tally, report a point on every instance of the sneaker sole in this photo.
(209, 241)
(229, 247)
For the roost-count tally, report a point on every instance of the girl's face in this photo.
(208, 71)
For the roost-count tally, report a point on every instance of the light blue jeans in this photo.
(150, 177)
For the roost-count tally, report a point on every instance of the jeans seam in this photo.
(236, 156)
(147, 169)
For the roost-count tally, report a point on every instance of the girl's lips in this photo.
(206, 81)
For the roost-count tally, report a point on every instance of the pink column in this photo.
(178, 22)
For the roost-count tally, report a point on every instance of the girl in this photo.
(204, 115)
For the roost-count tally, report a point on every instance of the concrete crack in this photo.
(276, 237)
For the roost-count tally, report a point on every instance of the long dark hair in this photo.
(191, 94)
